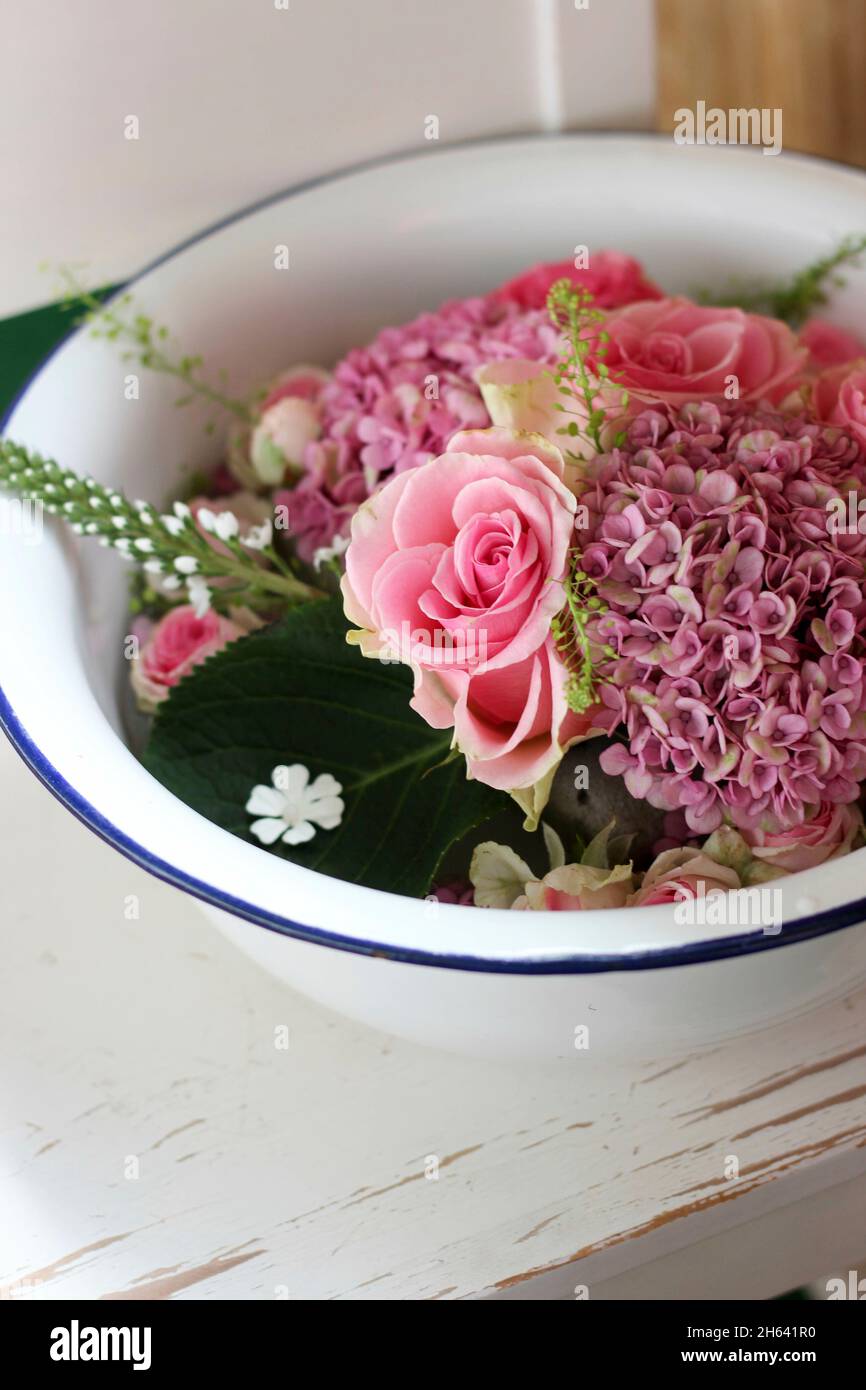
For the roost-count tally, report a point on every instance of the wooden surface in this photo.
(155, 1142)
(807, 57)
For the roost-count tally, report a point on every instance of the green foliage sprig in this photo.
(793, 300)
(571, 634)
(169, 546)
(148, 344)
(571, 311)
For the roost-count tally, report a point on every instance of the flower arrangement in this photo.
(574, 547)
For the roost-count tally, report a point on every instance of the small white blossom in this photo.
(199, 594)
(172, 524)
(144, 545)
(326, 553)
(257, 537)
(171, 582)
(152, 567)
(226, 525)
(291, 809)
(186, 564)
(182, 511)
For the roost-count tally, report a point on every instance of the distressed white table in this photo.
(157, 1141)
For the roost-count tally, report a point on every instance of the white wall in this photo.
(238, 98)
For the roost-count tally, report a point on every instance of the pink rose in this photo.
(176, 644)
(280, 438)
(675, 351)
(289, 418)
(455, 568)
(611, 278)
(839, 397)
(678, 875)
(301, 383)
(829, 834)
(828, 346)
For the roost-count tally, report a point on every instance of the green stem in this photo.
(145, 337)
(173, 543)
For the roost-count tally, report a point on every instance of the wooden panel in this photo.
(804, 56)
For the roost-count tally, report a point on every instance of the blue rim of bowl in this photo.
(692, 953)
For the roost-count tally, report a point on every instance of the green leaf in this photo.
(296, 692)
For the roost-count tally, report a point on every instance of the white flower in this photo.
(292, 808)
(257, 537)
(172, 524)
(199, 594)
(226, 525)
(326, 553)
(186, 564)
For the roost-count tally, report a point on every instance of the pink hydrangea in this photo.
(396, 403)
(456, 890)
(736, 613)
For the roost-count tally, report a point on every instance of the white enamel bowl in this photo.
(369, 247)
